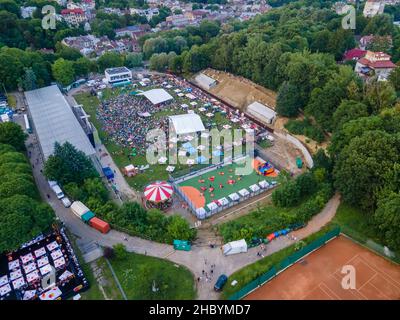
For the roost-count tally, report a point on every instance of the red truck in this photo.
(99, 225)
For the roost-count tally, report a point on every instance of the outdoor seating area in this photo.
(22, 271)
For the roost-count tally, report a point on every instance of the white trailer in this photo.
(234, 247)
(79, 209)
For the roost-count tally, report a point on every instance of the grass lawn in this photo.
(253, 271)
(136, 274)
(356, 224)
(12, 101)
(93, 293)
(120, 154)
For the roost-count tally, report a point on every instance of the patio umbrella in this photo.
(158, 191)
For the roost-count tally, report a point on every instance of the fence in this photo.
(284, 264)
(298, 144)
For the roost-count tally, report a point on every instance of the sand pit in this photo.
(238, 91)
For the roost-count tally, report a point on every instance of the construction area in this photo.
(238, 91)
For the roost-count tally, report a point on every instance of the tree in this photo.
(12, 134)
(83, 66)
(63, 71)
(379, 95)
(110, 60)
(10, 6)
(29, 81)
(17, 186)
(178, 228)
(95, 188)
(120, 252)
(287, 101)
(134, 60)
(11, 69)
(22, 219)
(394, 79)
(387, 219)
(348, 110)
(67, 164)
(360, 168)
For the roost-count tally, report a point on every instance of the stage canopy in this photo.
(157, 96)
(187, 123)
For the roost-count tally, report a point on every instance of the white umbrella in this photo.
(201, 147)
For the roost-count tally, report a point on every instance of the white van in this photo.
(57, 190)
(66, 202)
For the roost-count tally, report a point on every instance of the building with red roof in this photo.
(354, 54)
(375, 63)
(74, 16)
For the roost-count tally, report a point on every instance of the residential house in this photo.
(354, 54)
(134, 32)
(375, 63)
(27, 12)
(74, 16)
(366, 41)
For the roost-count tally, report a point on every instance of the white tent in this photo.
(263, 184)
(261, 112)
(254, 188)
(234, 196)
(205, 81)
(244, 192)
(201, 213)
(187, 123)
(234, 247)
(212, 206)
(223, 201)
(157, 96)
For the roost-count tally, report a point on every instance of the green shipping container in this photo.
(87, 216)
(182, 245)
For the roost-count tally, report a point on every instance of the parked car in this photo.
(66, 202)
(222, 279)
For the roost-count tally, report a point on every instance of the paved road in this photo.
(198, 259)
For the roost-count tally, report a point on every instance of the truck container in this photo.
(99, 225)
(87, 216)
(79, 209)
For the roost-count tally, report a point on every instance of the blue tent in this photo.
(217, 153)
(191, 150)
(108, 173)
(187, 145)
(201, 159)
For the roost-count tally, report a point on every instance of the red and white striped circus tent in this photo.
(159, 191)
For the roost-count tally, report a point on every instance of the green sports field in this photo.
(228, 171)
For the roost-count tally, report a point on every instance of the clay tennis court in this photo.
(318, 276)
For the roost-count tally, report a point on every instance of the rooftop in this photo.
(117, 70)
(54, 121)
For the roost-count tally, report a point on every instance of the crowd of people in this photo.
(128, 117)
